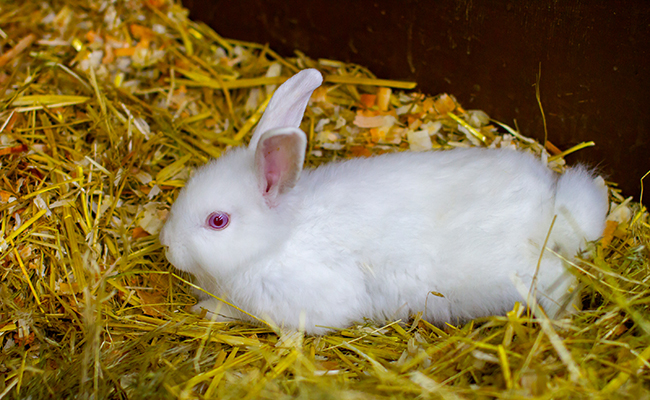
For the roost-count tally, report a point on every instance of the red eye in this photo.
(218, 220)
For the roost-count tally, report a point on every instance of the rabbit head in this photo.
(228, 213)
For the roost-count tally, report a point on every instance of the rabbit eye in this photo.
(218, 220)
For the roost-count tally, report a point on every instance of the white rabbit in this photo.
(371, 238)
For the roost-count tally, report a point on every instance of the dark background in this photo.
(594, 59)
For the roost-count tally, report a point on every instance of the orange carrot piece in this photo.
(124, 52)
(368, 100)
(552, 148)
(383, 98)
(13, 150)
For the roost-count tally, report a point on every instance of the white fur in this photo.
(371, 238)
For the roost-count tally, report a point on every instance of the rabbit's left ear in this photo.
(279, 157)
(287, 106)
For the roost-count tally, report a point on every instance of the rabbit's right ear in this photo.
(279, 157)
(287, 106)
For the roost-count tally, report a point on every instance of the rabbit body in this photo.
(372, 238)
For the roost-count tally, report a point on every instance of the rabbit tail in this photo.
(581, 207)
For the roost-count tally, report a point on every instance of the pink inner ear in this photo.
(272, 171)
(279, 162)
(276, 160)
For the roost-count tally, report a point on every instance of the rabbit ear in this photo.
(279, 156)
(287, 106)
